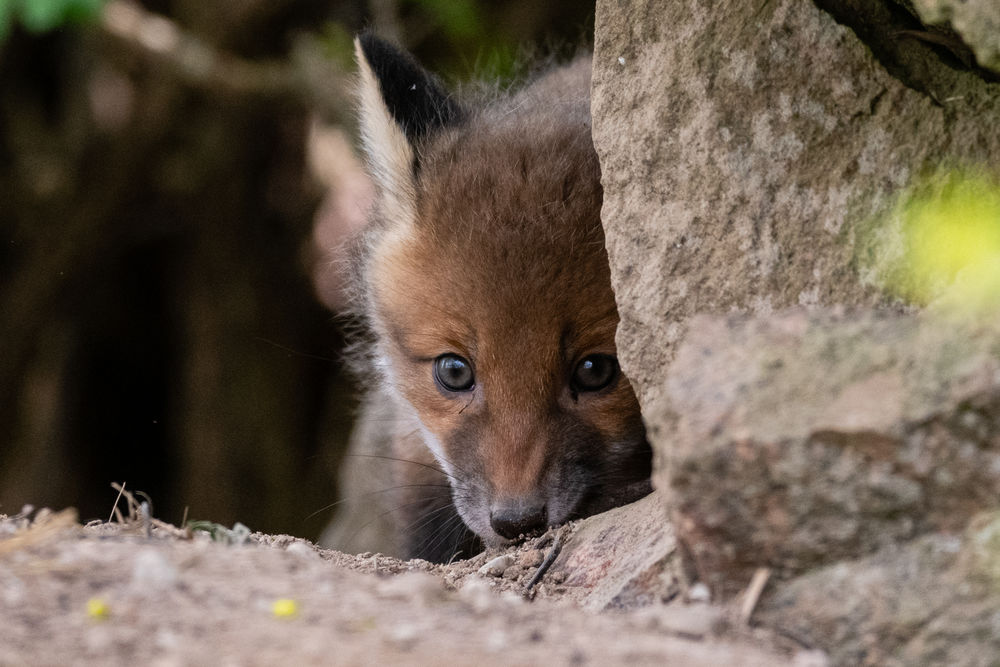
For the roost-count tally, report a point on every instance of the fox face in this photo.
(485, 281)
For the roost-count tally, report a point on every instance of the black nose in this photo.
(512, 520)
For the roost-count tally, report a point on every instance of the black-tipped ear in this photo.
(416, 99)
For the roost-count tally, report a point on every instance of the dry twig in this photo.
(300, 78)
(546, 564)
(752, 594)
(114, 507)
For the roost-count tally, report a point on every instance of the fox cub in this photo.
(484, 282)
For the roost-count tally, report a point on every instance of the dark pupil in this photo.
(453, 372)
(595, 372)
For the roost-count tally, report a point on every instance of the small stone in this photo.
(497, 641)
(12, 591)
(167, 640)
(166, 661)
(530, 558)
(477, 594)
(813, 658)
(302, 550)
(152, 572)
(419, 587)
(691, 620)
(404, 635)
(699, 593)
(98, 640)
(497, 566)
(512, 599)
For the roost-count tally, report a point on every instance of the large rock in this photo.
(800, 439)
(754, 158)
(746, 150)
(931, 602)
(621, 559)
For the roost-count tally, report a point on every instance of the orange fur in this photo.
(502, 262)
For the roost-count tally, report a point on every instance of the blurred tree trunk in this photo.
(157, 321)
(153, 281)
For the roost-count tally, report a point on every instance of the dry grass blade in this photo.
(40, 531)
(114, 508)
(134, 506)
(752, 594)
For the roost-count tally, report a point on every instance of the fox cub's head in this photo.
(488, 289)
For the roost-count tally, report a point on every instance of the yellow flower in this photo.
(285, 608)
(951, 243)
(98, 608)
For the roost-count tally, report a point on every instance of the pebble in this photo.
(690, 620)
(419, 587)
(98, 640)
(151, 571)
(811, 658)
(512, 599)
(167, 640)
(497, 641)
(302, 550)
(404, 635)
(478, 594)
(12, 590)
(530, 558)
(497, 566)
(699, 593)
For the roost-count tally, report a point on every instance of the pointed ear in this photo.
(401, 103)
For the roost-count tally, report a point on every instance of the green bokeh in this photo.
(460, 19)
(40, 16)
(950, 240)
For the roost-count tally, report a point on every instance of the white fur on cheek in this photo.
(434, 445)
(473, 509)
(383, 362)
(390, 156)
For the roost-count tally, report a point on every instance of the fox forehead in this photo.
(433, 298)
(506, 251)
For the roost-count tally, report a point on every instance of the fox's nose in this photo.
(512, 519)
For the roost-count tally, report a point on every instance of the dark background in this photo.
(159, 319)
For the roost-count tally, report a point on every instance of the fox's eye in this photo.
(453, 373)
(594, 372)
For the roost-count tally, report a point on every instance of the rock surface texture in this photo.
(621, 559)
(753, 159)
(977, 21)
(932, 601)
(745, 151)
(801, 440)
(859, 451)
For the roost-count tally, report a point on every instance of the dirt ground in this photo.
(144, 592)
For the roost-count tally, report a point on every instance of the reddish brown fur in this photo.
(505, 265)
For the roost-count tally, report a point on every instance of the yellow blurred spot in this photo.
(951, 243)
(285, 608)
(98, 608)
